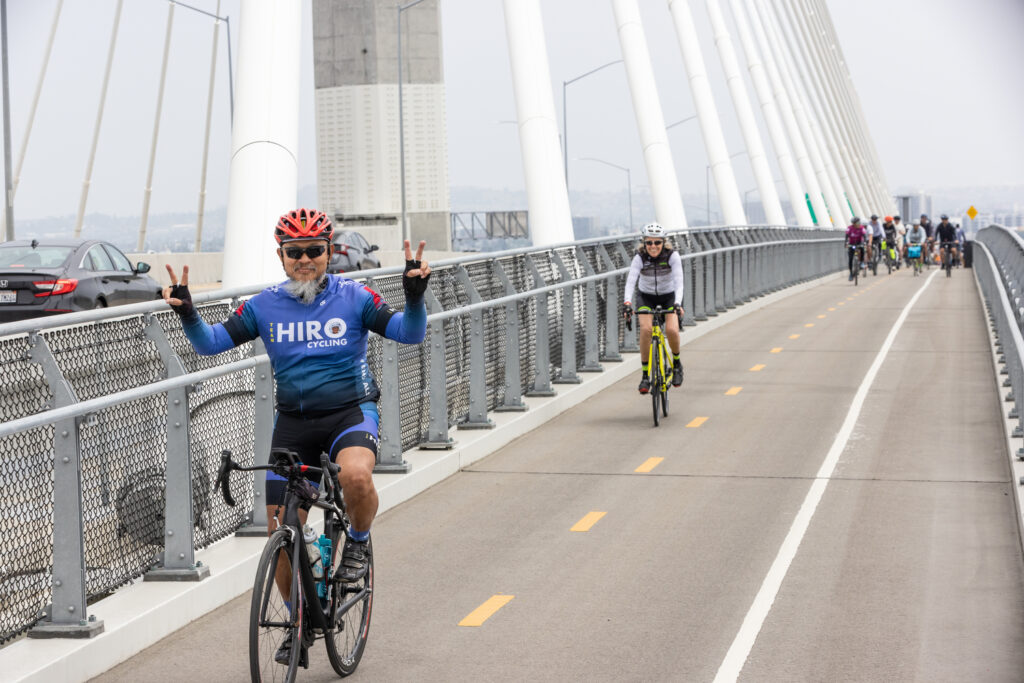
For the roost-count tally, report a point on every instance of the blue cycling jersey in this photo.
(317, 350)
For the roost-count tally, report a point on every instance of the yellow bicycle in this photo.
(660, 362)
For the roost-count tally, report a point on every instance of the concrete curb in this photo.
(142, 614)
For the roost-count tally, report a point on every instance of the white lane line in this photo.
(741, 646)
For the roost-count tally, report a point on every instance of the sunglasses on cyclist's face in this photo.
(295, 253)
(653, 243)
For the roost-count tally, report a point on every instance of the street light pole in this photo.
(565, 125)
(401, 120)
(8, 192)
(629, 182)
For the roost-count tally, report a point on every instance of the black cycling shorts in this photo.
(311, 436)
(645, 303)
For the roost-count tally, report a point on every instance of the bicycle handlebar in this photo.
(286, 466)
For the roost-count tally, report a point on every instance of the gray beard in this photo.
(304, 290)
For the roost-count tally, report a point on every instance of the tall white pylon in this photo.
(783, 153)
(751, 135)
(661, 172)
(546, 194)
(707, 114)
(264, 139)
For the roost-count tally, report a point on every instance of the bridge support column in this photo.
(592, 344)
(611, 310)
(567, 374)
(477, 417)
(67, 616)
(513, 400)
(541, 339)
(437, 427)
(262, 438)
(179, 525)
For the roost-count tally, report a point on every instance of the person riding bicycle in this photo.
(656, 272)
(315, 327)
(945, 233)
(889, 228)
(875, 236)
(915, 236)
(856, 234)
(960, 239)
(901, 234)
(929, 230)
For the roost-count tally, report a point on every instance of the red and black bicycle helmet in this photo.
(303, 224)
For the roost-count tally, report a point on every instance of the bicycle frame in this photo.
(334, 515)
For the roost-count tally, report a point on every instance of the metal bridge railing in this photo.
(1000, 267)
(99, 407)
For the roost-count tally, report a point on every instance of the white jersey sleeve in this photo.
(677, 276)
(631, 279)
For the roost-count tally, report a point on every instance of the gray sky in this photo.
(941, 82)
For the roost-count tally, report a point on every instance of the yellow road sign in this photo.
(972, 212)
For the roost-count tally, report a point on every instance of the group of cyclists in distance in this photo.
(898, 244)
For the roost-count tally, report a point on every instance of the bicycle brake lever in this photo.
(224, 475)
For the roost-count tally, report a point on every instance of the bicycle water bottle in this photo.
(325, 557)
(313, 550)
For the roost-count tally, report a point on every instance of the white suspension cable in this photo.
(206, 135)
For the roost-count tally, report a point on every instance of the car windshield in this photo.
(24, 256)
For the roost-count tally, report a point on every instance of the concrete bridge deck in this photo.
(882, 508)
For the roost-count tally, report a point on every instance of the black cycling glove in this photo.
(181, 292)
(414, 286)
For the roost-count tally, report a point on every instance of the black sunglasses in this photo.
(295, 253)
(653, 243)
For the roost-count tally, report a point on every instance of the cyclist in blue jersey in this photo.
(315, 328)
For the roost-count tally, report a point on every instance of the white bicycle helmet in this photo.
(653, 230)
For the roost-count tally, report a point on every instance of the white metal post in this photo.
(745, 115)
(264, 141)
(197, 247)
(804, 118)
(787, 166)
(796, 134)
(810, 47)
(711, 127)
(547, 197)
(148, 189)
(661, 171)
(99, 121)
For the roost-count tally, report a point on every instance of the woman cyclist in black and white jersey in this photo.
(656, 273)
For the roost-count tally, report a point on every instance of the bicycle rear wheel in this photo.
(350, 620)
(270, 621)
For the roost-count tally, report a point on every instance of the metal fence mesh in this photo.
(124, 447)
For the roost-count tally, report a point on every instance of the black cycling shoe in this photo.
(645, 384)
(355, 558)
(284, 652)
(677, 373)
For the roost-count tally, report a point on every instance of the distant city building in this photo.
(355, 54)
(911, 206)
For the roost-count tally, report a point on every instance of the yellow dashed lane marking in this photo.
(485, 611)
(589, 520)
(794, 336)
(697, 422)
(733, 391)
(809, 325)
(849, 298)
(757, 368)
(649, 465)
(821, 317)
(832, 308)
(777, 349)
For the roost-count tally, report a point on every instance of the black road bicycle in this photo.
(947, 258)
(325, 607)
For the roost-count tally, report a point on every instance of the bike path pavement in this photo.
(657, 588)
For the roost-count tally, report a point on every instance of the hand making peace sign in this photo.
(417, 272)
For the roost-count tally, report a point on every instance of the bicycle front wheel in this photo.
(270, 620)
(655, 386)
(350, 621)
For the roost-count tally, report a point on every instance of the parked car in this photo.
(47, 277)
(352, 252)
